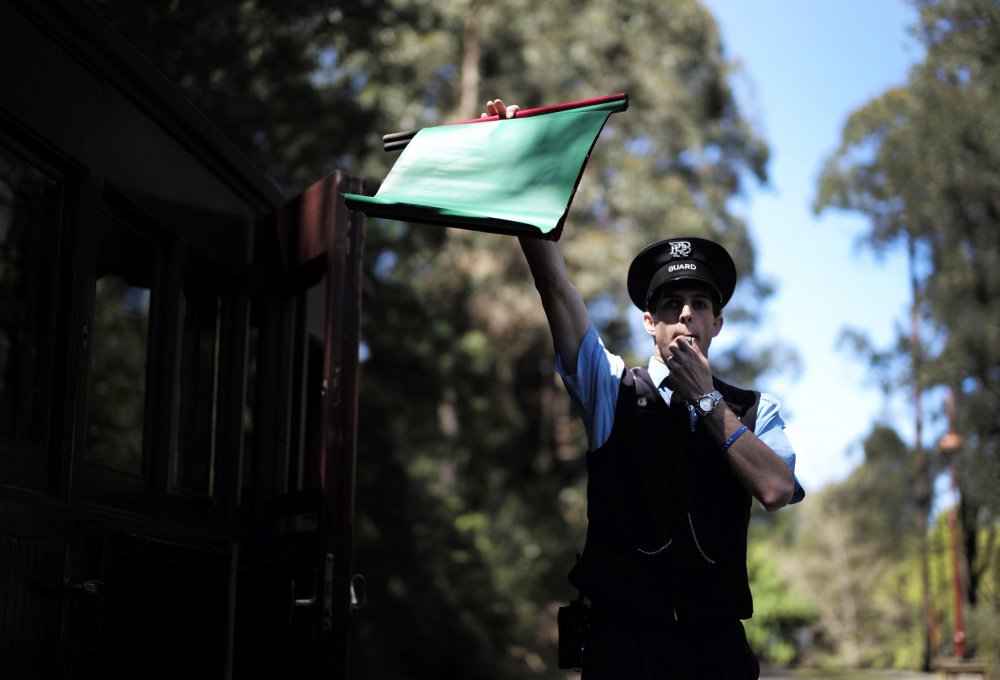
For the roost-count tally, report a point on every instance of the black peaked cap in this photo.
(677, 259)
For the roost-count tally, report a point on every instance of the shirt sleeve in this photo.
(770, 429)
(594, 386)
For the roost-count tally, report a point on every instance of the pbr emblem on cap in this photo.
(676, 259)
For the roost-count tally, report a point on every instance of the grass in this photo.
(851, 674)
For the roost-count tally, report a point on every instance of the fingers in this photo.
(496, 107)
(684, 344)
(685, 352)
(690, 366)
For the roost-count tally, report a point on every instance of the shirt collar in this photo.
(659, 372)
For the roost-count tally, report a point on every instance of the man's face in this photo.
(682, 311)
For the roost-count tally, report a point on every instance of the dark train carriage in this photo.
(178, 379)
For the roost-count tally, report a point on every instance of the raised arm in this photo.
(564, 308)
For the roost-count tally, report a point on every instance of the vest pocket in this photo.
(618, 575)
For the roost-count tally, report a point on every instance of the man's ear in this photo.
(717, 325)
(649, 323)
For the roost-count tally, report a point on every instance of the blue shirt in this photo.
(594, 391)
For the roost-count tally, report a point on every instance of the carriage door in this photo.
(35, 527)
(296, 598)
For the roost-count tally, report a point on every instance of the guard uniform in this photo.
(664, 565)
(665, 561)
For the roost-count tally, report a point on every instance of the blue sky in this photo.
(805, 66)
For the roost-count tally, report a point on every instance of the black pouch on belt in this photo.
(574, 622)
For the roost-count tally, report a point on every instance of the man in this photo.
(675, 456)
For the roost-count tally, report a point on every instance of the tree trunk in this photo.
(469, 105)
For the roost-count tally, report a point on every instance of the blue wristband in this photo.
(733, 437)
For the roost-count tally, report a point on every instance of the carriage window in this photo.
(196, 390)
(119, 340)
(28, 213)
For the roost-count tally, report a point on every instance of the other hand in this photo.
(690, 372)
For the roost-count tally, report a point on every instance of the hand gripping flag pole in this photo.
(509, 176)
(394, 141)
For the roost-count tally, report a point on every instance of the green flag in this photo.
(510, 176)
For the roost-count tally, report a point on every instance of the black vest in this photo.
(668, 519)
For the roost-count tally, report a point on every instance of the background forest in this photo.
(470, 475)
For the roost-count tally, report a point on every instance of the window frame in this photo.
(46, 470)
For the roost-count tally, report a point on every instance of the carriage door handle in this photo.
(310, 601)
(359, 591)
(85, 588)
(300, 602)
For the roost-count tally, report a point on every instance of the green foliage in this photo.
(470, 474)
(883, 486)
(856, 565)
(117, 385)
(979, 621)
(263, 71)
(780, 614)
(922, 162)
(985, 622)
(495, 436)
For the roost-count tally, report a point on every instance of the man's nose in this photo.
(686, 313)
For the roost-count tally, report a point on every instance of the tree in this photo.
(853, 558)
(503, 453)
(922, 162)
(781, 614)
(470, 478)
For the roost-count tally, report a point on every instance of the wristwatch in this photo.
(707, 403)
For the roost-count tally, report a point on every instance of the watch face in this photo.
(706, 403)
